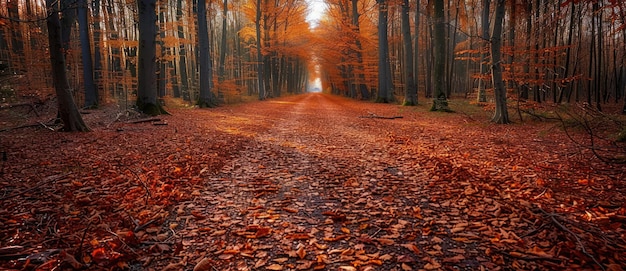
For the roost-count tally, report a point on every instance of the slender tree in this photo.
(484, 23)
(146, 79)
(91, 94)
(501, 115)
(260, 72)
(207, 98)
(440, 101)
(68, 112)
(385, 86)
(410, 94)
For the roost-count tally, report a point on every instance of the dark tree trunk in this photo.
(91, 93)
(206, 99)
(68, 112)
(410, 95)
(440, 102)
(365, 94)
(385, 87)
(501, 115)
(259, 55)
(482, 93)
(146, 79)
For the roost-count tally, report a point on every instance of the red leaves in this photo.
(316, 192)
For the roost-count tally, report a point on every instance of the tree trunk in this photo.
(146, 78)
(68, 112)
(259, 53)
(223, 49)
(385, 87)
(416, 53)
(365, 94)
(410, 94)
(206, 99)
(501, 115)
(440, 101)
(91, 93)
(482, 93)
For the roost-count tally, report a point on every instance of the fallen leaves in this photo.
(296, 190)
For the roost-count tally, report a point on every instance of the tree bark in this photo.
(206, 99)
(484, 23)
(440, 101)
(385, 86)
(146, 79)
(259, 53)
(68, 112)
(501, 115)
(410, 94)
(91, 94)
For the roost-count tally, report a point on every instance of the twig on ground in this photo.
(579, 243)
(49, 179)
(374, 116)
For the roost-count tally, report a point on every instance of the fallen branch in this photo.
(145, 120)
(374, 116)
(579, 243)
(48, 180)
(526, 257)
(32, 107)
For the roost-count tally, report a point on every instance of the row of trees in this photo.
(125, 50)
(205, 50)
(546, 50)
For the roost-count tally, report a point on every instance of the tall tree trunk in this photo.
(223, 49)
(482, 93)
(206, 98)
(91, 93)
(385, 87)
(259, 54)
(568, 52)
(183, 77)
(440, 101)
(416, 53)
(97, 55)
(68, 112)
(501, 115)
(365, 94)
(146, 77)
(410, 94)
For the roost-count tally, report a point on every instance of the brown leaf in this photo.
(411, 247)
(275, 267)
(203, 265)
(301, 252)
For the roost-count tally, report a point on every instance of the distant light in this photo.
(317, 8)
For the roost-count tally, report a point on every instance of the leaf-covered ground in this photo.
(310, 182)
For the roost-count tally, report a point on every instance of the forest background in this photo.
(557, 52)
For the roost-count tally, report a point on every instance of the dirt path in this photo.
(325, 188)
(310, 182)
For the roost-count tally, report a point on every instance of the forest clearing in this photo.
(308, 182)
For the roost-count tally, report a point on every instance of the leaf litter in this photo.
(305, 183)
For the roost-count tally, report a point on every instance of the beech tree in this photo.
(440, 102)
(410, 92)
(207, 98)
(385, 84)
(501, 114)
(91, 92)
(68, 112)
(146, 81)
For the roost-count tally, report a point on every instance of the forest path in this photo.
(308, 182)
(324, 186)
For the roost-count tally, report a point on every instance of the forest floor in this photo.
(308, 182)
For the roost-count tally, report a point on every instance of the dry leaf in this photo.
(275, 267)
(203, 265)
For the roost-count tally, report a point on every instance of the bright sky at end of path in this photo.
(316, 10)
